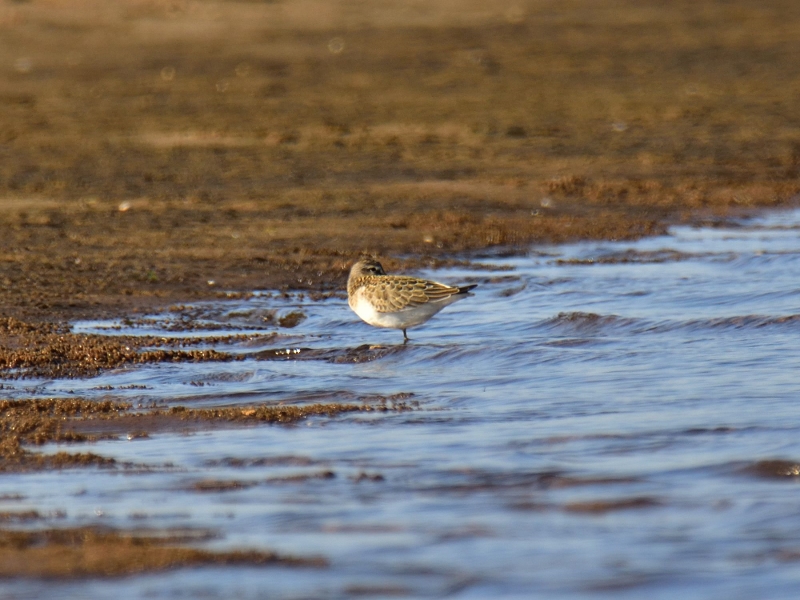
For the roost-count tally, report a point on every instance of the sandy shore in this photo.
(155, 152)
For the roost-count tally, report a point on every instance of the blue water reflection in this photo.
(594, 423)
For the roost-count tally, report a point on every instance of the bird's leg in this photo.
(405, 336)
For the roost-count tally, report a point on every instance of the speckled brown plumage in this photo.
(390, 293)
(397, 301)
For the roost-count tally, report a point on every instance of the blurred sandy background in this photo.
(150, 147)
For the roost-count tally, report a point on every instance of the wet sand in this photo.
(158, 151)
(92, 552)
(26, 423)
(154, 153)
(75, 552)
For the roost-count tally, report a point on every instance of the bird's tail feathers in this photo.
(464, 289)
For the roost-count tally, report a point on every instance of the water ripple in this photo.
(629, 407)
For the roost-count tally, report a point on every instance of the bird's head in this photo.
(367, 266)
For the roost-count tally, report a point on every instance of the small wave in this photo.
(288, 460)
(753, 321)
(722, 323)
(591, 507)
(512, 291)
(585, 322)
(481, 481)
(599, 507)
(452, 354)
(632, 257)
(360, 354)
(569, 342)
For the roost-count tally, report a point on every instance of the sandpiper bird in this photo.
(396, 301)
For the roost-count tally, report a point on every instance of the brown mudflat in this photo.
(153, 152)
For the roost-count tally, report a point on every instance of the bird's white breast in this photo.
(364, 309)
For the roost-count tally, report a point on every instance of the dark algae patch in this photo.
(273, 414)
(48, 350)
(774, 469)
(93, 552)
(41, 421)
(34, 422)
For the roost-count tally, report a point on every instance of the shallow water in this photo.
(598, 421)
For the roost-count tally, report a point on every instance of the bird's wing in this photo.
(395, 293)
